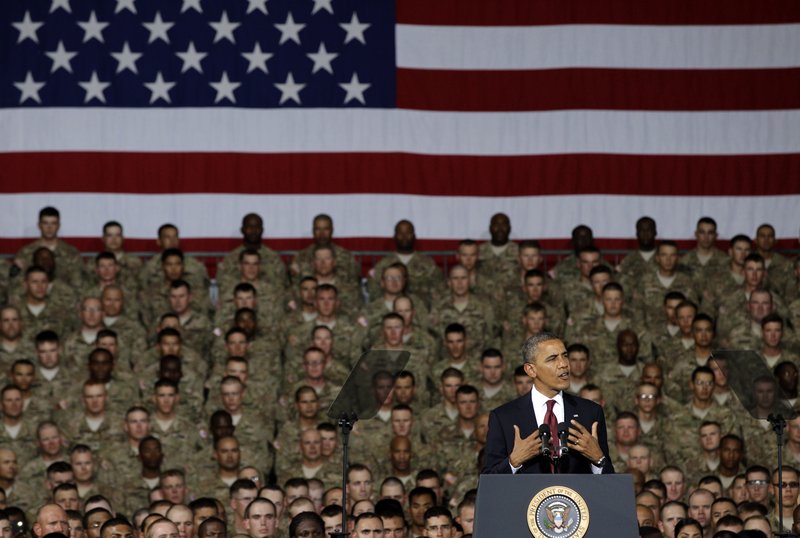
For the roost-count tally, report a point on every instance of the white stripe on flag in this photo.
(599, 46)
(421, 132)
(372, 215)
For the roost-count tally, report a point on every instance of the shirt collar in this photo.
(539, 400)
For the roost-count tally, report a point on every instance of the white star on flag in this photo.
(290, 91)
(61, 58)
(290, 30)
(191, 4)
(224, 28)
(225, 89)
(63, 4)
(125, 4)
(355, 90)
(355, 29)
(257, 59)
(158, 29)
(93, 29)
(159, 89)
(257, 5)
(322, 59)
(94, 88)
(126, 59)
(27, 28)
(191, 59)
(29, 88)
(319, 5)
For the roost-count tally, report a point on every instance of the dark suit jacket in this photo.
(500, 439)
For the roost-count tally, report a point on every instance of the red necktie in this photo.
(551, 420)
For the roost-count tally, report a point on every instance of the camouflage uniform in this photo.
(504, 266)
(477, 318)
(195, 273)
(346, 264)
(678, 378)
(618, 387)
(649, 295)
(154, 301)
(77, 430)
(505, 394)
(24, 349)
(603, 342)
(424, 277)
(23, 443)
(273, 268)
(67, 259)
(689, 419)
(634, 265)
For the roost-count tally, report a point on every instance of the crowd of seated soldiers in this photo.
(128, 392)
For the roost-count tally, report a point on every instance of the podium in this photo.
(555, 506)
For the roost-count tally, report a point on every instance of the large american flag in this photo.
(595, 111)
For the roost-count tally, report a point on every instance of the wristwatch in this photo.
(601, 462)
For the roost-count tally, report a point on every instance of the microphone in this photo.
(545, 435)
(563, 439)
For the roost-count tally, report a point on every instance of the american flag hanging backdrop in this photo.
(595, 111)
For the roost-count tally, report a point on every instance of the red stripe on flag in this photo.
(616, 89)
(430, 175)
(547, 12)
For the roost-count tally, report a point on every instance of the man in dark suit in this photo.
(513, 444)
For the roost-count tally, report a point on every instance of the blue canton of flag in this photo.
(197, 53)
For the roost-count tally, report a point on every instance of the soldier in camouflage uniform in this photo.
(114, 242)
(322, 232)
(51, 447)
(124, 453)
(254, 424)
(774, 350)
(705, 460)
(702, 407)
(619, 379)
(180, 441)
(705, 260)
(80, 342)
(499, 255)
(674, 337)
(454, 441)
(270, 299)
(131, 336)
(274, 270)
(536, 288)
(676, 380)
(651, 286)
(23, 375)
(311, 463)
(779, 268)
(214, 481)
(728, 279)
(641, 260)
(461, 306)
(326, 271)
(152, 272)
(653, 418)
(568, 268)
(52, 379)
(17, 432)
(746, 333)
(444, 413)
(91, 424)
(347, 335)
(393, 284)
(494, 388)
(106, 272)
(12, 344)
(601, 335)
(39, 311)
(424, 277)
(154, 297)
(140, 479)
(307, 410)
(454, 355)
(67, 257)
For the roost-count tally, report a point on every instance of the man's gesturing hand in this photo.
(584, 442)
(524, 449)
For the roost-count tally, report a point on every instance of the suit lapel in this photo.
(528, 423)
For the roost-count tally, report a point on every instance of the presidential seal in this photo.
(558, 512)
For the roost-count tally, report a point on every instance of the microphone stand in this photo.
(779, 426)
(346, 423)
